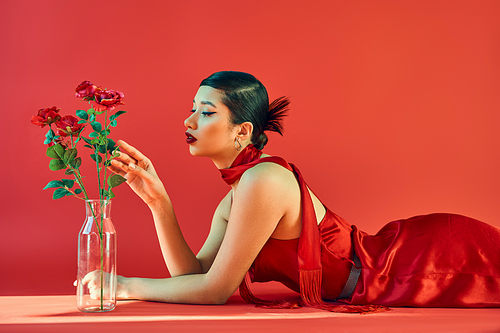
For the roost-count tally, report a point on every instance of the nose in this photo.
(190, 121)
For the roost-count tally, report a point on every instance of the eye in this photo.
(193, 111)
(206, 113)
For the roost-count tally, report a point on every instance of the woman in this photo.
(272, 225)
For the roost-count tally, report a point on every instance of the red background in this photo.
(395, 112)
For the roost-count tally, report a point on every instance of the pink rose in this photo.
(46, 116)
(86, 89)
(68, 125)
(107, 99)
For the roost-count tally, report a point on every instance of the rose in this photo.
(68, 125)
(46, 116)
(86, 90)
(107, 99)
(58, 141)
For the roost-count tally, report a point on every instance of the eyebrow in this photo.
(206, 103)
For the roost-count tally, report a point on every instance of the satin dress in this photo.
(436, 260)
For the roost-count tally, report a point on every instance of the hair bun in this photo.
(261, 141)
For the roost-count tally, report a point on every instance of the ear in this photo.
(245, 131)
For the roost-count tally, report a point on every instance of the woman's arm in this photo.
(142, 178)
(260, 201)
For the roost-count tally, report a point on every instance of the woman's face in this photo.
(210, 132)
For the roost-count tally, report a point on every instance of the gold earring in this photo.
(237, 144)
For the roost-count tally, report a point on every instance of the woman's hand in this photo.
(93, 282)
(140, 174)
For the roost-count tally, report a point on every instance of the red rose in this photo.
(107, 99)
(59, 141)
(86, 89)
(46, 116)
(68, 125)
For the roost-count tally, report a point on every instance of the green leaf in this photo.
(69, 155)
(111, 145)
(86, 140)
(91, 112)
(82, 121)
(78, 191)
(82, 114)
(98, 159)
(50, 134)
(111, 194)
(76, 163)
(113, 117)
(92, 117)
(53, 184)
(89, 146)
(55, 165)
(68, 182)
(113, 123)
(60, 192)
(56, 151)
(95, 141)
(115, 180)
(94, 135)
(96, 126)
(102, 149)
(104, 193)
(69, 172)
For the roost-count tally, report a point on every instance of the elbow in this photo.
(220, 300)
(215, 298)
(217, 293)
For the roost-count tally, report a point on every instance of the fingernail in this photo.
(131, 166)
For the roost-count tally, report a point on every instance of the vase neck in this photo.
(96, 208)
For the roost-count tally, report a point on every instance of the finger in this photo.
(116, 170)
(118, 167)
(94, 294)
(88, 278)
(124, 157)
(134, 169)
(123, 170)
(132, 151)
(75, 283)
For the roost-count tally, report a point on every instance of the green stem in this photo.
(74, 194)
(102, 264)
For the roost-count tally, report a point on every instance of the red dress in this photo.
(436, 260)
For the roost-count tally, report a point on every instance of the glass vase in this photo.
(96, 289)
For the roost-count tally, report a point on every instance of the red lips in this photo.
(190, 139)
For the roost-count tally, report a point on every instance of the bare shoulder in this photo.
(267, 173)
(270, 178)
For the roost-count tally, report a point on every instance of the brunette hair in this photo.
(247, 99)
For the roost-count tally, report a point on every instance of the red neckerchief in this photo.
(242, 163)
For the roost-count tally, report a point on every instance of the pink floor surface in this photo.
(59, 314)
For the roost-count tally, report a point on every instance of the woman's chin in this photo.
(194, 151)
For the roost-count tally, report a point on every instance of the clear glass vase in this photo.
(96, 289)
